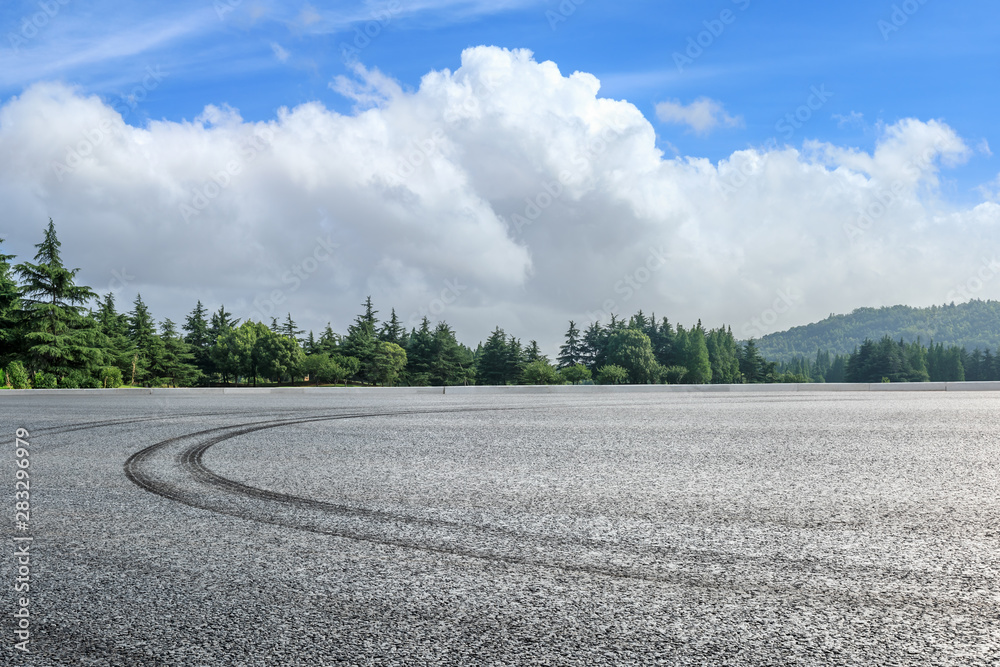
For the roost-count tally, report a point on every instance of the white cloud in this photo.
(501, 193)
(703, 115)
(853, 119)
(280, 52)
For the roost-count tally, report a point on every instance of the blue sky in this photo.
(875, 63)
(942, 63)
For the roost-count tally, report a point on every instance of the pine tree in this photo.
(113, 327)
(10, 298)
(420, 354)
(57, 337)
(199, 337)
(533, 353)
(593, 349)
(360, 342)
(149, 347)
(290, 330)
(392, 331)
(570, 353)
(492, 361)
(176, 361)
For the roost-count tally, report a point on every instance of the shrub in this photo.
(44, 380)
(110, 377)
(16, 376)
(611, 374)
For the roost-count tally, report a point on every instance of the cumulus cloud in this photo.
(504, 192)
(702, 116)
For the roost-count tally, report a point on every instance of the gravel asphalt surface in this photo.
(620, 529)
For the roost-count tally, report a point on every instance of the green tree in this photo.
(393, 331)
(723, 354)
(631, 349)
(10, 301)
(236, 353)
(492, 364)
(290, 330)
(696, 360)
(323, 368)
(148, 347)
(175, 363)
(575, 374)
(279, 357)
(57, 336)
(390, 359)
(571, 352)
(540, 371)
(361, 342)
(199, 337)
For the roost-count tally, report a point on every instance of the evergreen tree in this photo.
(176, 361)
(361, 340)
(58, 338)
(571, 352)
(113, 327)
(392, 331)
(199, 337)
(290, 330)
(420, 354)
(593, 351)
(753, 367)
(696, 361)
(723, 355)
(329, 342)
(10, 298)
(310, 346)
(533, 353)
(492, 362)
(449, 362)
(148, 347)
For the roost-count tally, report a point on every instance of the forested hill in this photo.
(969, 325)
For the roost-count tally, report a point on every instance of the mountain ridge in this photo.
(971, 324)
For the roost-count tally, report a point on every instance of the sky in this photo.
(518, 163)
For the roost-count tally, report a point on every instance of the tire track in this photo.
(175, 469)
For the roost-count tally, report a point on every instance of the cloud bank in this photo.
(503, 192)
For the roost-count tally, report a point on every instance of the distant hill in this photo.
(970, 325)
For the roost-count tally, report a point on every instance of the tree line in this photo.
(55, 333)
(889, 360)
